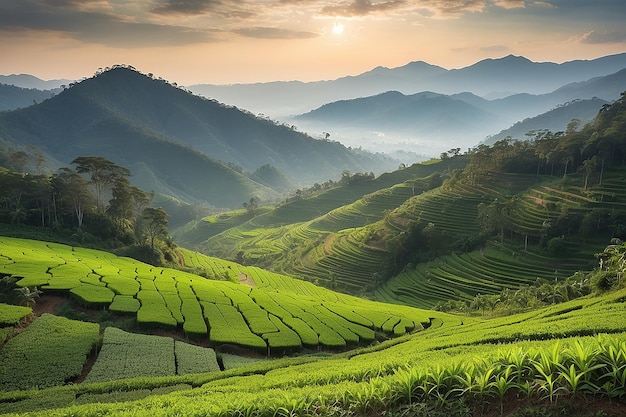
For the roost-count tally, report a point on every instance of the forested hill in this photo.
(173, 140)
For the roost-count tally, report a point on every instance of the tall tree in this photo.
(104, 174)
(127, 204)
(155, 222)
(70, 193)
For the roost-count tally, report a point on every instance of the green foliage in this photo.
(127, 355)
(11, 315)
(54, 350)
(125, 304)
(192, 359)
(93, 296)
(446, 370)
(612, 267)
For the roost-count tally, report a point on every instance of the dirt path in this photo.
(47, 303)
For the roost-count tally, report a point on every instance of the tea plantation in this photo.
(277, 315)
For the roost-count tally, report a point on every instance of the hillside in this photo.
(436, 234)
(422, 115)
(555, 120)
(29, 81)
(433, 122)
(12, 97)
(172, 140)
(270, 314)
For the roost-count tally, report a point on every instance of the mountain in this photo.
(423, 116)
(432, 123)
(172, 140)
(30, 81)
(519, 74)
(555, 120)
(489, 78)
(12, 97)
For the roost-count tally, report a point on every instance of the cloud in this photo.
(361, 8)
(187, 7)
(451, 8)
(274, 33)
(510, 4)
(93, 21)
(606, 36)
(495, 49)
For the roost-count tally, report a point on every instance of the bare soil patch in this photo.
(246, 280)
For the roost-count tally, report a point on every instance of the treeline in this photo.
(589, 149)
(93, 204)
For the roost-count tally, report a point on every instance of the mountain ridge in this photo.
(306, 96)
(134, 119)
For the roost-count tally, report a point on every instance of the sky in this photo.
(243, 41)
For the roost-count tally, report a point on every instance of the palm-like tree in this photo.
(29, 296)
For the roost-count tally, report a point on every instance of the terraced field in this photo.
(544, 357)
(336, 249)
(220, 312)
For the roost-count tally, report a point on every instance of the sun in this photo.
(337, 28)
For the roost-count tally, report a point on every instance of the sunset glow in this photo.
(337, 28)
(192, 41)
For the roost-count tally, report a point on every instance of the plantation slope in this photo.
(198, 235)
(537, 210)
(546, 356)
(301, 249)
(431, 241)
(279, 315)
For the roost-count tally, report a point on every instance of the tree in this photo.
(126, 206)
(70, 193)
(589, 166)
(29, 296)
(103, 172)
(251, 205)
(155, 222)
(495, 217)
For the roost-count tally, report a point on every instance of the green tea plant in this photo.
(47, 353)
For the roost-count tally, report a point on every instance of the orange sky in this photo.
(228, 41)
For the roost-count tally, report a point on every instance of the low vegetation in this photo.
(277, 315)
(545, 357)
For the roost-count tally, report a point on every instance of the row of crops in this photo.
(128, 355)
(226, 312)
(574, 349)
(462, 276)
(298, 244)
(53, 350)
(49, 352)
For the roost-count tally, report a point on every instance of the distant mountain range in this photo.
(555, 120)
(489, 78)
(427, 120)
(30, 81)
(174, 142)
(13, 97)
(419, 109)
